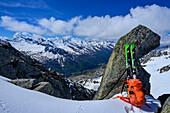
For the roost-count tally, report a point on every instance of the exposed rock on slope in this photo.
(165, 103)
(30, 74)
(145, 40)
(166, 106)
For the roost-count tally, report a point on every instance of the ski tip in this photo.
(133, 45)
(127, 45)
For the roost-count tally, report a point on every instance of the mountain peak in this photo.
(63, 52)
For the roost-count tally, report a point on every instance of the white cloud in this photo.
(58, 27)
(24, 3)
(104, 27)
(155, 17)
(165, 40)
(11, 4)
(11, 24)
(26, 34)
(97, 28)
(54, 26)
(6, 12)
(67, 37)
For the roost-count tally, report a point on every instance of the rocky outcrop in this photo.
(165, 103)
(31, 74)
(45, 87)
(145, 40)
(166, 106)
(25, 83)
(54, 87)
(154, 53)
(15, 64)
(164, 69)
(36, 85)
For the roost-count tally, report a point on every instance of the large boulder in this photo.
(165, 103)
(166, 106)
(145, 40)
(44, 87)
(25, 83)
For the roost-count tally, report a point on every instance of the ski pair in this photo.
(130, 60)
(136, 96)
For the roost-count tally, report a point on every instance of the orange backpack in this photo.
(135, 92)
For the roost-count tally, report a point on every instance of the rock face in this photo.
(45, 87)
(145, 40)
(31, 74)
(15, 64)
(166, 106)
(25, 83)
(165, 103)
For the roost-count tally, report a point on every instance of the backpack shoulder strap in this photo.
(146, 92)
(123, 84)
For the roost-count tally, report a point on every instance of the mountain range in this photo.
(30, 74)
(66, 55)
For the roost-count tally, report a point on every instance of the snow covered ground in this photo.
(92, 83)
(159, 81)
(14, 99)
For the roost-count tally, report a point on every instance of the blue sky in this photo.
(90, 19)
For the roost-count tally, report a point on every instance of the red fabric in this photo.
(136, 97)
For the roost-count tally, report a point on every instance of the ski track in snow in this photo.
(14, 99)
(3, 108)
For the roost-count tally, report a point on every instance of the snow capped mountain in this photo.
(60, 54)
(73, 46)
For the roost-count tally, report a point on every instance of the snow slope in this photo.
(159, 81)
(14, 99)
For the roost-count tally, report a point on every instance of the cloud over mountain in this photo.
(58, 27)
(11, 24)
(154, 16)
(97, 28)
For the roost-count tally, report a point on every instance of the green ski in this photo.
(128, 60)
(133, 68)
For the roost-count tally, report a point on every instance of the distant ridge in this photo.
(68, 56)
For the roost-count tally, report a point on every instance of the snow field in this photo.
(14, 99)
(159, 81)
